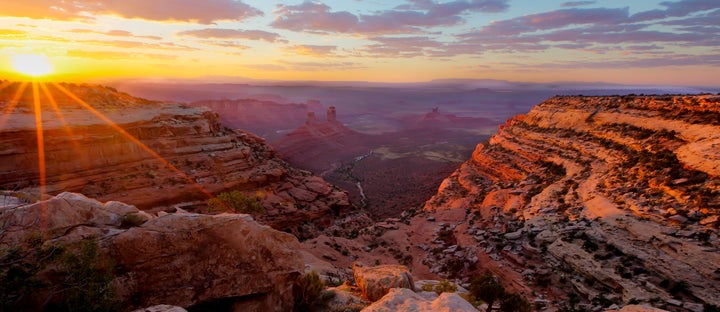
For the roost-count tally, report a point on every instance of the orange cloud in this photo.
(205, 12)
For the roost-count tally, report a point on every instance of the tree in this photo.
(488, 289)
(514, 303)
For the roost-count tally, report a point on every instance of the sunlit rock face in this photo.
(111, 146)
(610, 198)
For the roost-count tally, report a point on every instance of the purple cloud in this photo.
(208, 12)
(576, 3)
(411, 18)
(222, 33)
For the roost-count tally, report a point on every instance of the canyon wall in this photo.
(611, 199)
(151, 154)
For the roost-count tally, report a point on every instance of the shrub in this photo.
(514, 303)
(131, 220)
(86, 278)
(236, 201)
(439, 288)
(487, 288)
(307, 290)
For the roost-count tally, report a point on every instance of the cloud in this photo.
(113, 33)
(611, 31)
(312, 50)
(685, 7)
(40, 9)
(320, 66)
(12, 32)
(411, 18)
(644, 62)
(576, 3)
(557, 19)
(222, 33)
(115, 55)
(283, 65)
(402, 47)
(207, 12)
(128, 44)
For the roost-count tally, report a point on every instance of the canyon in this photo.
(154, 155)
(584, 202)
(604, 200)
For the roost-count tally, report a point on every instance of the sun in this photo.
(32, 64)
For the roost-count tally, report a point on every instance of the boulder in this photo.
(637, 308)
(187, 259)
(62, 213)
(344, 299)
(375, 282)
(178, 259)
(405, 300)
(162, 308)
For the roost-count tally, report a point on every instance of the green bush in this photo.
(439, 288)
(85, 283)
(307, 290)
(88, 282)
(235, 201)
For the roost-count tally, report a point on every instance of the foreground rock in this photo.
(217, 262)
(375, 282)
(161, 308)
(405, 300)
(637, 308)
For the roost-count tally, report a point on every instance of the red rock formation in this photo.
(315, 145)
(171, 153)
(179, 258)
(613, 190)
(264, 118)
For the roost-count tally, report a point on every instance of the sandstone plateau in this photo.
(151, 154)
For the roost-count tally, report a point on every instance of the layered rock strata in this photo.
(615, 199)
(149, 154)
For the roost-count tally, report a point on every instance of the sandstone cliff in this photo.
(151, 154)
(615, 199)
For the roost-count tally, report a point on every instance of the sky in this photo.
(664, 42)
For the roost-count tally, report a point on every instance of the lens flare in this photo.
(32, 64)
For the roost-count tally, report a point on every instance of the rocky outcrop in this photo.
(161, 308)
(375, 282)
(405, 300)
(111, 146)
(315, 145)
(637, 308)
(610, 198)
(182, 259)
(264, 118)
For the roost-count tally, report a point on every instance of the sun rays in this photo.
(47, 110)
